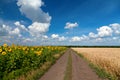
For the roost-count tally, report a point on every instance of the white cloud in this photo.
(20, 26)
(36, 29)
(32, 10)
(34, 32)
(93, 35)
(71, 25)
(75, 38)
(105, 35)
(81, 38)
(4, 30)
(8, 31)
(54, 36)
(30, 3)
(62, 38)
(104, 31)
(84, 37)
(98, 39)
(27, 40)
(115, 38)
(16, 31)
(115, 27)
(45, 36)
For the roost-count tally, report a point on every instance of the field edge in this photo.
(99, 71)
(38, 73)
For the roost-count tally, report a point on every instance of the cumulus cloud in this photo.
(92, 35)
(19, 33)
(75, 38)
(84, 37)
(4, 30)
(115, 27)
(27, 40)
(8, 31)
(104, 31)
(54, 36)
(98, 39)
(58, 38)
(36, 29)
(70, 25)
(81, 38)
(32, 10)
(30, 3)
(45, 36)
(20, 26)
(15, 31)
(116, 38)
(62, 38)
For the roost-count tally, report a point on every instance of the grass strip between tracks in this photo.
(68, 73)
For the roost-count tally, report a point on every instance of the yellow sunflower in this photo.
(4, 53)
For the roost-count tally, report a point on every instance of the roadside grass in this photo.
(68, 73)
(99, 71)
(102, 73)
(36, 74)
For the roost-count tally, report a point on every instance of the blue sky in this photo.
(60, 22)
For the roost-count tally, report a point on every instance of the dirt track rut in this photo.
(80, 69)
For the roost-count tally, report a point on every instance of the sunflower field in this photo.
(17, 60)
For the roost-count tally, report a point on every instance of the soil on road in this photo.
(80, 69)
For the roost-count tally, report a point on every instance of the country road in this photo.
(80, 69)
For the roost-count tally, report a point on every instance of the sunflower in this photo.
(4, 53)
(0, 50)
(10, 50)
(5, 45)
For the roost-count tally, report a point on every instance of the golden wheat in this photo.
(106, 58)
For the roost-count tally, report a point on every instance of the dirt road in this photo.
(80, 69)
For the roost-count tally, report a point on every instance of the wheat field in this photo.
(106, 58)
